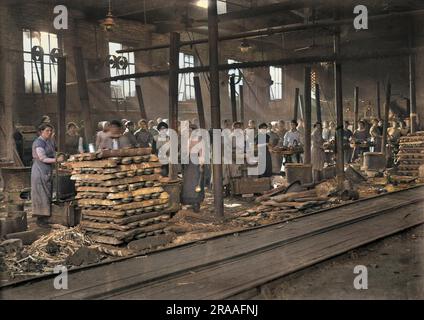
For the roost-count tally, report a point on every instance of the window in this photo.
(34, 72)
(276, 89)
(238, 78)
(122, 89)
(186, 80)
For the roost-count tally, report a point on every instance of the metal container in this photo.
(299, 172)
(16, 178)
(374, 161)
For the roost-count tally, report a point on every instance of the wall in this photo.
(28, 108)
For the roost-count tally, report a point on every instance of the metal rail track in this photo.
(134, 286)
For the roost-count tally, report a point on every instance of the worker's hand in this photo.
(60, 158)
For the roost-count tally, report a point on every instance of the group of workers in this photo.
(279, 135)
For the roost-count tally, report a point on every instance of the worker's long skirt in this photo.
(192, 177)
(41, 189)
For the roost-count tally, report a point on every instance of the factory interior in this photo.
(211, 149)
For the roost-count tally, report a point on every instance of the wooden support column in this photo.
(199, 102)
(308, 115)
(296, 104)
(412, 94)
(141, 105)
(174, 51)
(318, 102)
(386, 116)
(355, 107)
(7, 93)
(83, 93)
(61, 102)
(215, 101)
(412, 88)
(378, 101)
(241, 89)
(233, 98)
(338, 95)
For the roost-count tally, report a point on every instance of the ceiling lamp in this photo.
(109, 22)
(245, 46)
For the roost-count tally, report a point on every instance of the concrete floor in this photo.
(395, 271)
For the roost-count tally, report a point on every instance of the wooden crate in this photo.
(250, 185)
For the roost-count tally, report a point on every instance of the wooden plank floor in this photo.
(125, 278)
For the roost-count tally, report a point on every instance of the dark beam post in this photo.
(308, 115)
(412, 94)
(173, 90)
(386, 116)
(378, 101)
(318, 102)
(355, 107)
(61, 102)
(83, 93)
(296, 104)
(241, 88)
(141, 105)
(412, 88)
(199, 102)
(215, 101)
(233, 98)
(338, 94)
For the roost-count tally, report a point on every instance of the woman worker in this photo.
(43, 154)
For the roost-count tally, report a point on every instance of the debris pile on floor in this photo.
(56, 248)
(411, 155)
(288, 202)
(120, 194)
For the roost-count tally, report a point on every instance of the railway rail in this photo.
(231, 265)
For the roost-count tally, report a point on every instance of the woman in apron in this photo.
(43, 154)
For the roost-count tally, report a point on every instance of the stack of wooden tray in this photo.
(120, 195)
(411, 154)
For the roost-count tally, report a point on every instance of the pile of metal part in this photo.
(120, 195)
(411, 154)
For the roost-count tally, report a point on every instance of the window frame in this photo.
(125, 85)
(238, 76)
(52, 73)
(274, 96)
(186, 80)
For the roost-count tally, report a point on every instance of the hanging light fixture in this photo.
(245, 46)
(109, 22)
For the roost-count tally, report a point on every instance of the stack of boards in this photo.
(411, 154)
(120, 195)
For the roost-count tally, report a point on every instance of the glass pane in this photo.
(54, 78)
(53, 41)
(113, 47)
(27, 40)
(36, 38)
(28, 77)
(131, 58)
(45, 42)
(27, 57)
(132, 89)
